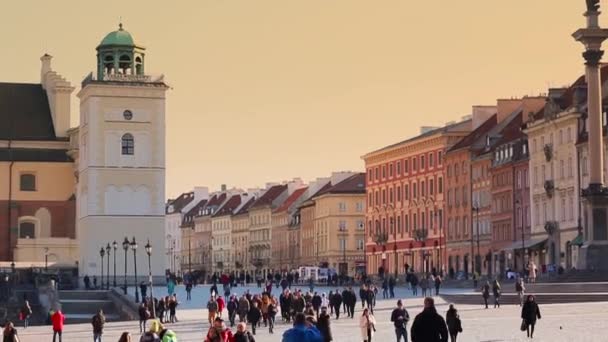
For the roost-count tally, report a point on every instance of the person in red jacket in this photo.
(221, 304)
(219, 332)
(57, 319)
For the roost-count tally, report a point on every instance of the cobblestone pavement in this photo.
(579, 322)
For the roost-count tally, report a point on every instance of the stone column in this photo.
(595, 249)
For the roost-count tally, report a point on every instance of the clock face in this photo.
(127, 114)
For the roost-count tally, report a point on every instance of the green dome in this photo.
(119, 37)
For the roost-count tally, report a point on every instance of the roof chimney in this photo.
(224, 187)
(46, 67)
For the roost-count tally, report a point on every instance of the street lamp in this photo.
(102, 252)
(523, 243)
(125, 247)
(134, 248)
(108, 248)
(478, 256)
(115, 246)
(420, 235)
(149, 252)
(380, 239)
(46, 258)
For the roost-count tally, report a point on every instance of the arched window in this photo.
(27, 230)
(108, 64)
(125, 64)
(128, 144)
(138, 66)
(27, 182)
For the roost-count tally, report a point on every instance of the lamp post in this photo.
(108, 249)
(523, 242)
(190, 252)
(149, 252)
(134, 248)
(380, 239)
(394, 245)
(102, 252)
(420, 235)
(46, 258)
(125, 247)
(115, 247)
(478, 256)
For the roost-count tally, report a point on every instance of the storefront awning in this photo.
(530, 243)
(578, 240)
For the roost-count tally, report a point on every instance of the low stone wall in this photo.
(125, 306)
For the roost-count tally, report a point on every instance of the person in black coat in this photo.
(324, 325)
(253, 316)
(346, 302)
(485, 293)
(352, 302)
(453, 321)
(316, 303)
(363, 296)
(232, 307)
(529, 313)
(337, 303)
(429, 326)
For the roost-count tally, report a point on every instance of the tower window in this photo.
(27, 182)
(128, 144)
(127, 114)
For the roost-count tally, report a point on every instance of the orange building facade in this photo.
(405, 202)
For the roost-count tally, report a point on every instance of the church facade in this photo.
(111, 168)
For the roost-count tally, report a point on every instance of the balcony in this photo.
(548, 149)
(551, 227)
(549, 188)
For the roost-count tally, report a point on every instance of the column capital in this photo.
(593, 57)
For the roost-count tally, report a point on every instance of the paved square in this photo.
(560, 322)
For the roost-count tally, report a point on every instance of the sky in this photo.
(268, 90)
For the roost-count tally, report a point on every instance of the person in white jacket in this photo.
(324, 300)
(367, 324)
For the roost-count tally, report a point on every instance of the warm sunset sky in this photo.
(269, 90)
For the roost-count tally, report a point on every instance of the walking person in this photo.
(429, 326)
(302, 331)
(243, 308)
(337, 303)
(438, 282)
(98, 321)
(414, 283)
(385, 288)
(352, 302)
(453, 321)
(26, 313)
(189, 291)
(496, 292)
(424, 285)
(9, 334)
(57, 319)
(363, 295)
(242, 334)
(253, 316)
(212, 307)
(125, 337)
(144, 315)
(530, 312)
(367, 324)
(271, 315)
(400, 317)
(371, 299)
(324, 325)
(485, 293)
(172, 308)
(232, 307)
(520, 289)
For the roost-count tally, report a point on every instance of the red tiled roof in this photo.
(217, 200)
(246, 206)
(194, 211)
(291, 199)
(180, 202)
(352, 185)
(479, 133)
(270, 195)
(229, 206)
(512, 130)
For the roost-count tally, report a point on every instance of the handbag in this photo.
(524, 325)
(459, 325)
